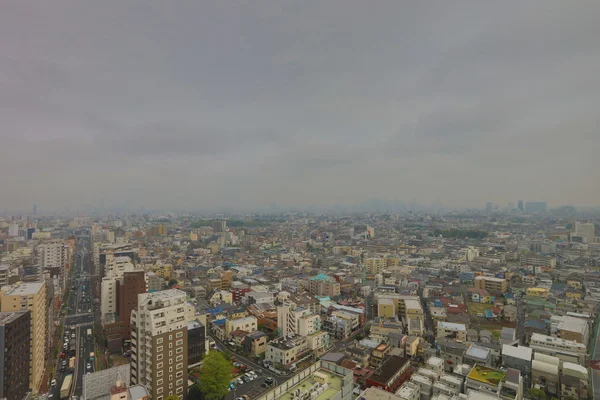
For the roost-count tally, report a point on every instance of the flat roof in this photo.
(24, 289)
(335, 386)
(452, 325)
(521, 352)
(490, 376)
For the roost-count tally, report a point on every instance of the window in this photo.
(179, 390)
(159, 374)
(170, 361)
(179, 382)
(179, 358)
(179, 366)
(170, 345)
(170, 354)
(179, 334)
(170, 386)
(179, 374)
(179, 350)
(159, 349)
(170, 337)
(159, 365)
(159, 381)
(159, 397)
(159, 357)
(179, 342)
(159, 340)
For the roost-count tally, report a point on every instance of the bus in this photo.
(89, 333)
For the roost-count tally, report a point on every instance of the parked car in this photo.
(53, 382)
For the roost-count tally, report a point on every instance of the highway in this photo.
(78, 319)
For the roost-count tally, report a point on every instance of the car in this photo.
(239, 381)
(73, 335)
(63, 354)
(90, 310)
(53, 382)
(88, 366)
(231, 386)
(50, 396)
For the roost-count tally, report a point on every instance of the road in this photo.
(80, 317)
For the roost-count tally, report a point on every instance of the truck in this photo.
(92, 356)
(71, 362)
(65, 389)
(89, 333)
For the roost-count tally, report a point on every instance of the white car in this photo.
(88, 366)
(53, 382)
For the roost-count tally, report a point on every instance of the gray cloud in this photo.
(208, 104)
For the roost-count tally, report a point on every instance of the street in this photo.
(79, 316)
(594, 372)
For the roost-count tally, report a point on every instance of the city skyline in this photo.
(240, 105)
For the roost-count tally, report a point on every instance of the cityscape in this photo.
(500, 302)
(299, 200)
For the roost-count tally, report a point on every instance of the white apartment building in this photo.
(159, 344)
(309, 324)
(248, 324)
(375, 265)
(115, 268)
(288, 315)
(564, 350)
(446, 329)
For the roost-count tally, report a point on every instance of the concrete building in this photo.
(255, 343)
(15, 334)
(248, 324)
(452, 331)
(159, 343)
(321, 381)
(288, 317)
(414, 317)
(491, 284)
(196, 342)
(375, 265)
(32, 297)
(324, 285)
(570, 328)
(574, 381)
(565, 350)
(284, 352)
(219, 226)
(545, 373)
(155, 283)
(586, 230)
(517, 357)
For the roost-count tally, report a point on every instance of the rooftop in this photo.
(335, 386)
(490, 376)
(521, 352)
(389, 368)
(24, 289)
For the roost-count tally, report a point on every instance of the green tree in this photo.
(215, 376)
(172, 397)
(172, 282)
(195, 392)
(537, 394)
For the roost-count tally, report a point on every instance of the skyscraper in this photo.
(34, 210)
(521, 206)
(489, 207)
(15, 334)
(219, 226)
(160, 344)
(533, 207)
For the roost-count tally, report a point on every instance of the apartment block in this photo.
(451, 330)
(159, 338)
(414, 317)
(324, 285)
(565, 350)
(491, 284)
(570, 328)
(32, 297)
(375, 265)
(287, 350)
(15, 335)
(248, 324)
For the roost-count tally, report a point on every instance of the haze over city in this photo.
(207, 105)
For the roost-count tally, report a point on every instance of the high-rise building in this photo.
(219, 226)
(159, 343)
(13, 230)
(521, 206)
(55, 253)
(34, 210)
(15, 331)
(31, 296)
(489, 207)
(533, 207)
(585, 229)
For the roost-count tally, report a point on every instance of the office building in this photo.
(489, 207)
(451, 330)
(521, 206)
(287, 350)
(15, 331)
(414, 317)
(545, 373)
(219, 226)
(31, 297)
(196, 342)
(586, 230)
(565, 350)
(375, 265)
(160, 344)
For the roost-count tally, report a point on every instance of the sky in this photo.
(207, 104)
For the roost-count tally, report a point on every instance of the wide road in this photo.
(78, 320)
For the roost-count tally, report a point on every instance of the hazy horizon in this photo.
(208, 105)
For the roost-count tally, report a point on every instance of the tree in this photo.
(172, 282)
(537, 394)
(195, 392)
(172, 397)
(215, 376)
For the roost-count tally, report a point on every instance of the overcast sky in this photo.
(195, 104)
